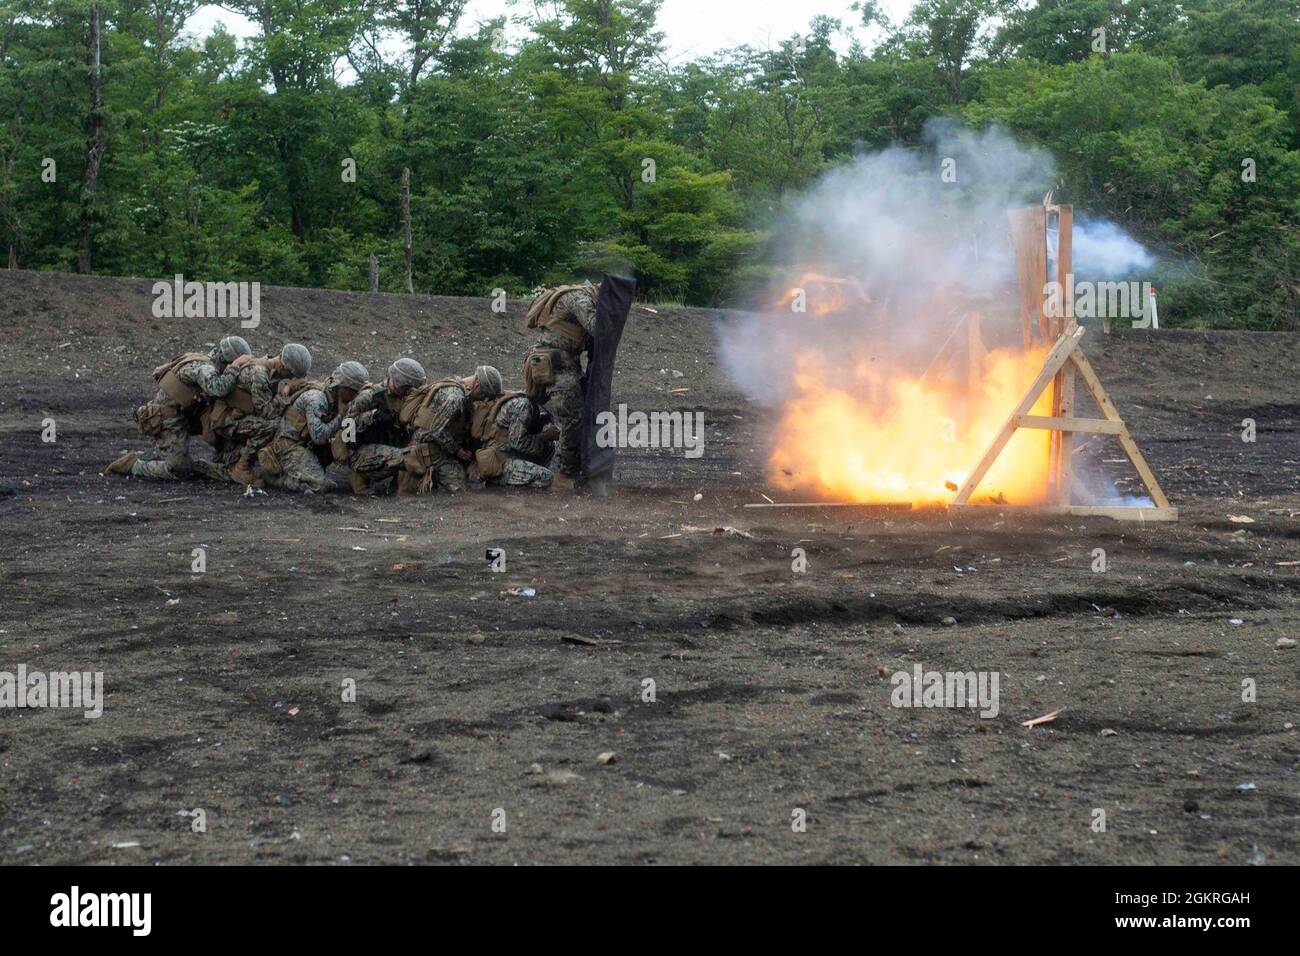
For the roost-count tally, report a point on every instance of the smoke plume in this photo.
(921, 236)
(891, 340)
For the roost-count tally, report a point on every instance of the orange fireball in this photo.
(888, 436)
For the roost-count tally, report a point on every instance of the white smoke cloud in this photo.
(1102, 250)
(922, 236)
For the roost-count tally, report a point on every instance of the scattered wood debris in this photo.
(555, 778)
(1045, 719)
(588, 641)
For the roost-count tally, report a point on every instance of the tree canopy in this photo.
(577, 146)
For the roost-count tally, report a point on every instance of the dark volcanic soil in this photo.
(772, 689)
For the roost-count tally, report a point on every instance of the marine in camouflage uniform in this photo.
(246, 421)
(517, 439)
(297, 457)
(185, 386)
(565, 317)
(441, 444)
(377, 453)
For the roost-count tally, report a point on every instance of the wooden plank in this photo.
(1080, 511)
(1064, 406)
(1055, 323)
(1065, 260)
(1094, 386)
(1056, 358)
(1067, 357)
(1029, 241)
(1055, 329)
(1143, 469)
(1071, 424)
(1054, 439)
(1065, 464)
(1130, 447)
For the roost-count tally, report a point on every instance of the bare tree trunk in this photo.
(406, 225)
(96, 149)
(13, 223)
(295, 211)
(374, 272)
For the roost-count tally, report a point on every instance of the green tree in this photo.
(950, 31)
(1203, 173)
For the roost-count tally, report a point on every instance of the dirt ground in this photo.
(771, 688)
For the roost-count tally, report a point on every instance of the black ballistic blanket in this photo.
(612, 305)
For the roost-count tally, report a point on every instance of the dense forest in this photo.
(572, 143)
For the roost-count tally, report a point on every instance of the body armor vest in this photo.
(484, 427)
(415, 410)
(183, 394)
(297, 420)
(541, 315)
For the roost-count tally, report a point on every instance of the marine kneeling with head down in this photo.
(242, 423)
(372, 437)
(516, 437)
(368, 442)
(186, 385)
(439, 416)
(313, 414)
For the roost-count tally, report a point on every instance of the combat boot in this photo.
(407, 483)
(561, 484)
(122, 465)
(358, 483)
(241, 472)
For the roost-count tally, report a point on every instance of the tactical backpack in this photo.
(297, 420)
(270, 461)
(483, 426)
(417, 412)
(268, 456)
(150, 416)
(541, 315)
(225, 411)
(182, 394)
(418, 459)
(490, 458)
(230, 409)
(149, 419)
(540, 366)
(339, 449)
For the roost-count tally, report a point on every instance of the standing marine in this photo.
(564, 317)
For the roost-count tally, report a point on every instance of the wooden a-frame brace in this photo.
(1067, 356)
